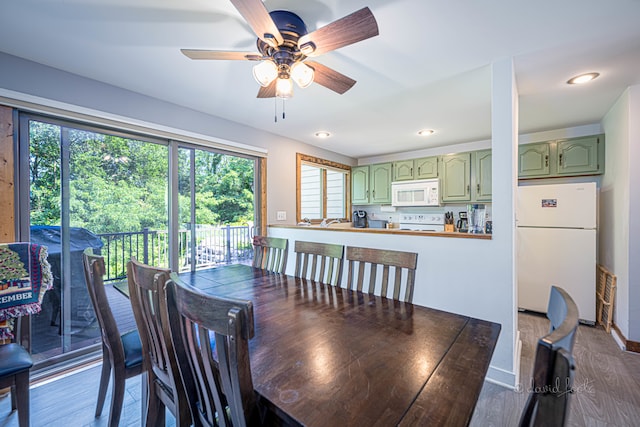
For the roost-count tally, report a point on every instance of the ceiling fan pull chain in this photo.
(283, 109)
(275, 110)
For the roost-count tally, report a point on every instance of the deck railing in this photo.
(214, 246)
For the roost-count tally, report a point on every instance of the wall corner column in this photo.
(504, 144)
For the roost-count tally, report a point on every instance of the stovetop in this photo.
(422, 222)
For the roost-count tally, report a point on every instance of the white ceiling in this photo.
(428, 68)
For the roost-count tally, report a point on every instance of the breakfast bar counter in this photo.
(346, 227)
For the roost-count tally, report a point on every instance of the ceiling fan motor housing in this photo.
(291, 26)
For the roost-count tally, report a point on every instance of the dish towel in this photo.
(25, 276)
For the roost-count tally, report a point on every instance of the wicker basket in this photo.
(605, 296)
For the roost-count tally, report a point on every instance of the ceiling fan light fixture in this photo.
(270, 39)
(307, 48)
(302, 74)
(284, 88)
(582, 78)
(265, 72)
(425, 132)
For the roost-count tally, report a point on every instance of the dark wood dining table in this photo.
(327, 356)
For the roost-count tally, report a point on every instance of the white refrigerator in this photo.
(556, 235)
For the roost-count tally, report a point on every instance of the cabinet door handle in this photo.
(478, 187)
(468, 189)
(411, 171)
(373, 193)
(418, 170)
(546, 161)
(560, 159)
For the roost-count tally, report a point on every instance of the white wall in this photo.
(620, 204)
(634, 218)
(615, 205)
(499, 282)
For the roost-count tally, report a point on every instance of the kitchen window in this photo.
(322, 189)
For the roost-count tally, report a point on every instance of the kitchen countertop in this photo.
(342, 227)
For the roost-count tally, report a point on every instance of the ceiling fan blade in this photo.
(220, 54)
(330, 78)
(258, 18)
(267, 92)
(350, 29)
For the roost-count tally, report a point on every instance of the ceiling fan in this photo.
(284, 46)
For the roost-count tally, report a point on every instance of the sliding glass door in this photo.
(216, 208)
(98, 188)
(90, 189)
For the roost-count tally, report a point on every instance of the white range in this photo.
(421, 221)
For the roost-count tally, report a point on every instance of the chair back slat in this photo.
(368, 260)
(373, 271)
(323, 259)
(361, 276)
(270, 253)
(94, 270)
(145, 291)
(214, 382)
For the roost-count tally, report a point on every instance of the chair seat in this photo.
(14, 359)
(132, 348)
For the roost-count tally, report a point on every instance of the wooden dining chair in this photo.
(321, 262)
(365, 261)
(164, 383)
(270, 253)
(217, 378)
(121, 353)
(554, 366)
(15, 365)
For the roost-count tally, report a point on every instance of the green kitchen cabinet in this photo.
(380, 183)
(426, 167)
(533, 160)
(564, 157)
(371, 184)
(423, 168)
(360, 185)
(482, 176)
(579, 156)
(456, 177)
(403, 170)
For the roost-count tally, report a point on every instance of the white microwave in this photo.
(424, 192)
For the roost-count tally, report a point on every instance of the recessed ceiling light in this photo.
(582, 78)
(322, 134)
(425, 132)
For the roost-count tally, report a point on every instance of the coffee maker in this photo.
(360, 219)
(461, 225)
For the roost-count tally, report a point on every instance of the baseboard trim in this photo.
(501, 377)
(628, 345)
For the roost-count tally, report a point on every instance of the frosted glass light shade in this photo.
(265, 72)
(284, 88)
(302, 74)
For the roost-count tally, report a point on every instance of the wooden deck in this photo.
(607, 389)
(46, 324)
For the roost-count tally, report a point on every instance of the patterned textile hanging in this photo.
(25, 276)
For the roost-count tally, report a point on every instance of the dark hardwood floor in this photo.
(607, 382)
